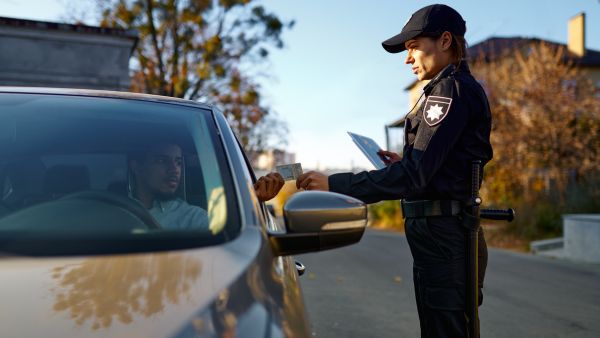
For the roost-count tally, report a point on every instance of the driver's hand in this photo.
(268, 186)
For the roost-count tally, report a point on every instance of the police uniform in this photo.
(450, 129)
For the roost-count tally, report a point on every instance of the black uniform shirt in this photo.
(449, 130)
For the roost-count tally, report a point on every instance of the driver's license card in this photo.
(289, 171)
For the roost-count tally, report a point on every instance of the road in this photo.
(366, 290)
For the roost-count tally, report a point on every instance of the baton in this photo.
(472, 294)
(497, 214)
(472, 220)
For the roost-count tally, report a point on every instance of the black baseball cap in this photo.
(431, 19)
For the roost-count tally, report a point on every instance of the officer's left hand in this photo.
(388, 157)
(313, 180)
(268, 186)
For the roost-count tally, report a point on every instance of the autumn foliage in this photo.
(204, 50)
(546, 137)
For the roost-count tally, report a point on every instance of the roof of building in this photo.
(495, 47)
(78, 28)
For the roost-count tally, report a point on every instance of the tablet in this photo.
(369, 148)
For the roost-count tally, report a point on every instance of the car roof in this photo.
(103, 94)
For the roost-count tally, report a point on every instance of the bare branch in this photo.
(153, 34)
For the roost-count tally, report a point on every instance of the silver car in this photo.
(88, 251)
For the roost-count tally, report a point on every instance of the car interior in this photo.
(49, 160)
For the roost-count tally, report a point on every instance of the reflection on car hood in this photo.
(141, 295)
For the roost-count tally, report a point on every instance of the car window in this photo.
(115, 168)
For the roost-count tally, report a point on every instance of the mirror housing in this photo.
(318, 220)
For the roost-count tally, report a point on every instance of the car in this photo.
(83, 255)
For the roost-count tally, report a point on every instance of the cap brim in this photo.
(396, 43)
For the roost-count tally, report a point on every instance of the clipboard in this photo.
(369, 148)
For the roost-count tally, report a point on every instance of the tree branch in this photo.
(175, 64)
(153, 34)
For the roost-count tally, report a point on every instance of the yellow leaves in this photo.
(227, 4)
(543, 63)
(545, 119)
(235, 83)
(124, 14)
(203, 70)
(250, 97)
(212, 45)
(189, 16)
(220, 71)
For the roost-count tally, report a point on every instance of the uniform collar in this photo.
(447, 71)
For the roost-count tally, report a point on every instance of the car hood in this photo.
(139, 295)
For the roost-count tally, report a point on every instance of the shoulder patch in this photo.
(436, 108)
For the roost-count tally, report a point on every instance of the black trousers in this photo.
(438, 246)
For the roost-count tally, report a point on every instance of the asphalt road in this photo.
(366, 290)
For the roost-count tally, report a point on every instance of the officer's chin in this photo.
(423, 76)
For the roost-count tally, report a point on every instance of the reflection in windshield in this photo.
(217, 210)
(101, 290)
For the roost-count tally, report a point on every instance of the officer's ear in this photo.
(445, 41)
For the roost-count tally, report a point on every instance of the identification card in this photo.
(289, 171)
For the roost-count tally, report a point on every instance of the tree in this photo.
(205, 50)
(546, 129)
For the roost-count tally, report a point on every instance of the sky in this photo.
(333, 76)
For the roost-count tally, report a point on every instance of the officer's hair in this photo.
(458, 45)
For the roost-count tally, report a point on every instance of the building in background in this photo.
(587, 60)
(265, 162)
(47, 54)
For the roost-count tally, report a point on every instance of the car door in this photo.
(280, 280)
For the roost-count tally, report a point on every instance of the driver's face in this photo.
(161, 171)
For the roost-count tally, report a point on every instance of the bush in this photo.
(387, 215)
(540, 217)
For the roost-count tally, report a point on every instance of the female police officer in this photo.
(450, 129)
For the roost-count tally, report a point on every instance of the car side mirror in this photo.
(317, 220)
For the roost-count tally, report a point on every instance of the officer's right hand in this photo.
(313, 180)
(388, 157)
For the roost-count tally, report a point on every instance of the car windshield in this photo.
(126, 175)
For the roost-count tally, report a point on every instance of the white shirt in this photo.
(177, 214)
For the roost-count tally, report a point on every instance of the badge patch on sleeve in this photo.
(436, 108)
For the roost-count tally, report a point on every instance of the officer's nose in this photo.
(409, 58)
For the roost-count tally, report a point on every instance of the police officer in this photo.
(450, 129)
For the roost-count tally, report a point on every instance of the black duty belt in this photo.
(428, 208)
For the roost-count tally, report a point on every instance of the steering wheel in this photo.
(4, 208)
(118, 201)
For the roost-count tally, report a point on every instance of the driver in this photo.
(157, 174)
